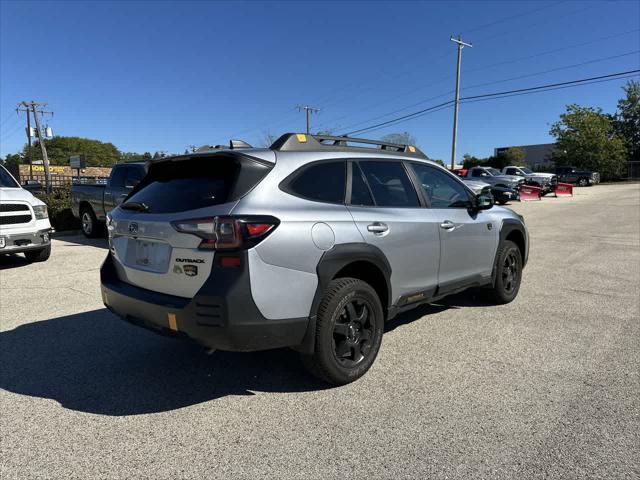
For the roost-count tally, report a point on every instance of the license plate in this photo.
(3, 242)
(146, 253)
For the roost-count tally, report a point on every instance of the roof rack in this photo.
(300, 142)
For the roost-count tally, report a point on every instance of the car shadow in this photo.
(77, 240)
(93, 362)
(12, 260)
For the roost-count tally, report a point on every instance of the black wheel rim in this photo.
(510, 272)
(353, 332)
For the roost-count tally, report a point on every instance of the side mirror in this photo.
(484, 201)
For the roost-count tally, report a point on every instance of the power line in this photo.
(511, 17)
(533, 74)
(550, 86)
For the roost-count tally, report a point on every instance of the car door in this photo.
(468, 238)
(389, 215)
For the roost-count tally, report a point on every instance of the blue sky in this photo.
(154, 76)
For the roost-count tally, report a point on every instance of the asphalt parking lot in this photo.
(547, 386)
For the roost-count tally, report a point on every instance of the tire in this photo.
(89, 223)
(41, 255)
(583, 182)
(508, 274)
(349, 330)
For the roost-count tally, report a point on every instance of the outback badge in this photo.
(190, 270)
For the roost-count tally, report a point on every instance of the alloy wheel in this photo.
(353, 332)
(510, 272)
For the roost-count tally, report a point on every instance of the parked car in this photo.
(501, 195)
(90, 202)
(546, 181)
(582, 178)
(493, 176)
(24, 221)
(311, 244)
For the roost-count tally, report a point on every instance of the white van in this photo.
(24, 221)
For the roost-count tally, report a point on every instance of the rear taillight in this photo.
(220, 233)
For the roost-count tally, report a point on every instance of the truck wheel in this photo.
(349, 331)
(508, 274)
(583, 182)
(89, 222)
(40, 255)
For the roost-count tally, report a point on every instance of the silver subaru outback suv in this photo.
(311, 244)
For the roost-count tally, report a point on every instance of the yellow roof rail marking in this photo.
(302, 138)
(173, 323)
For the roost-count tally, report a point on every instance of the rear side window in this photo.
(360, 194)
(187, 184)
(323, 182)
(390, 184)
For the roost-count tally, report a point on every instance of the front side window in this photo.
(442, 190)
(323, 182)
(493, 171)
(389, 184)
(6, 180)
(478, 173)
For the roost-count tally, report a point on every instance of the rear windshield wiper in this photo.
(138, 206)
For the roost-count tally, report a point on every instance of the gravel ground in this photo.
(545, 387)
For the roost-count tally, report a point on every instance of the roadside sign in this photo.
(77, 161)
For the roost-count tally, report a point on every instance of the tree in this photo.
(11, 162)
(469, 161)
(401, 138)
(267, 139)
(512, 156)
(438, 161)
(627, 119)
(59, 149)
(585, 138)
(135, 157)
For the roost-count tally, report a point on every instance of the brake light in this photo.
(254, 229)
(224, 232)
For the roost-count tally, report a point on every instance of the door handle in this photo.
(377, 227)
(447, 225)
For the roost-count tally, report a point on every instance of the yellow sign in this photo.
(52, 168)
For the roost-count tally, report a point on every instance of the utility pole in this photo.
(308, 110)
(28, 130)
(461, 45)
(36, 107)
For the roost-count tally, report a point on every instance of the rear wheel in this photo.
(349, 331)
(89, 222)
(41, 255)
(583, 182)
(508, 274)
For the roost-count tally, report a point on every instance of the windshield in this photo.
(6, 180)
(527, 170)
(494, 171)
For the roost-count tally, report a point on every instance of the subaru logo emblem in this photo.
(133, 228)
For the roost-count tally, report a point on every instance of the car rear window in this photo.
(187, 184)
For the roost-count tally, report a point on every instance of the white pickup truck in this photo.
(24, 221)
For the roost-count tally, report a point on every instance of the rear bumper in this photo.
(23, 242)
(221, 315)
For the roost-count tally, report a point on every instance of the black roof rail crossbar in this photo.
(305, 142)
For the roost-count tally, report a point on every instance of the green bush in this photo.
(59, 207)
